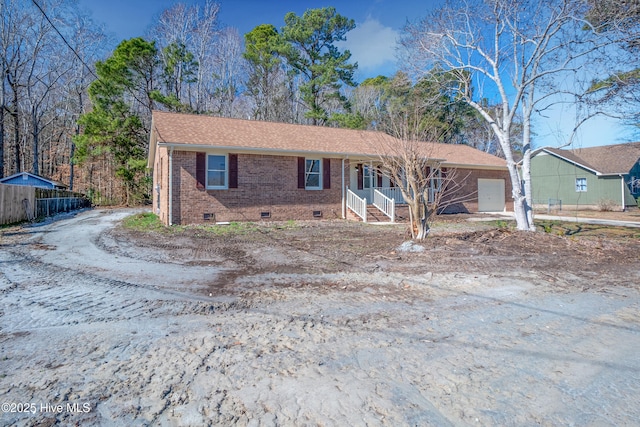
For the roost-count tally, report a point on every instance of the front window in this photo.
(581, 185)
(367, 176)
(436, 180)
(216, 171)
(312, 174)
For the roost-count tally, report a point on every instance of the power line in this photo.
(64, 39)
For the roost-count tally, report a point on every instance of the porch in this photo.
(376, 198)
(379, 204)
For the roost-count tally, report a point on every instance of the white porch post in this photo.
(344, 193)
(622, 186)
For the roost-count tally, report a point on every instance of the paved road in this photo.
(585, 220)
(597, 221)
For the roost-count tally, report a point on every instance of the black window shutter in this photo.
(360, 175)
(379, 174)
(233, 171)
(201, 170)
(326, 174)
(301, 166)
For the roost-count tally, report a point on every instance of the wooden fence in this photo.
(24, 203)
(16, 203)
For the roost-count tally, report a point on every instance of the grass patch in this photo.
(231, 229)
(145, 221)
(149, 222)
(503, 224)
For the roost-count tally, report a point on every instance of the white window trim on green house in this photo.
(581, 185)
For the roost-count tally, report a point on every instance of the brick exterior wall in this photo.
(160, 191)
(467, 193)
(266, 183)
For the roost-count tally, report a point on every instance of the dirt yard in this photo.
(318, 323)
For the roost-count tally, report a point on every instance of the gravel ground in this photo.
(315, 324)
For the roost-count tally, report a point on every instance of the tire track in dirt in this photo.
(41, 295)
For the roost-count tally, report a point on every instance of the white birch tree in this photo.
(525, 54)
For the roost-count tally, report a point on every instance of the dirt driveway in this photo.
(319, 323)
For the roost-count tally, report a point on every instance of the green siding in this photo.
(554, 178)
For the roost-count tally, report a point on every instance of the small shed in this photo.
(29, 179)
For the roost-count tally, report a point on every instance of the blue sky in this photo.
(372, 43)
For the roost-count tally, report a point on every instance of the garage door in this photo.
(490, 195)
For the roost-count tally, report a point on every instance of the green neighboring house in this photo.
(606, 177)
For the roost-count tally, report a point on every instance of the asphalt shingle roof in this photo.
(200, 130)
(606, 159)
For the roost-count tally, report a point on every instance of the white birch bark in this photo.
(515, 51)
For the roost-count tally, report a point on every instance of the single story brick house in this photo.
(212, 169)
(587, 178)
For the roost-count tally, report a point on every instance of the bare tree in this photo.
(528, 54)
(87, 42)
(427, 187)
(229, 73)
(203, 42)
(413, 165)
(15, 24)
(39, 47)
(194, 30)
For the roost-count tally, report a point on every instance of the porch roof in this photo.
(198, 132)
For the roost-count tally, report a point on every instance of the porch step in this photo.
(375, 215)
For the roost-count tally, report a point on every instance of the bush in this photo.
(606, 205)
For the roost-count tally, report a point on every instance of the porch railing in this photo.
(393, 193)
(357, 204)
(385, 204)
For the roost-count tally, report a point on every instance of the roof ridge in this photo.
(269, 122)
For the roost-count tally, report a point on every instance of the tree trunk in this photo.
(71, 162)
(2, 133)
(520, 206)
(419, 217)
(36, 143)
(16, 130)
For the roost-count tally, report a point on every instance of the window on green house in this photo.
(581, 185)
